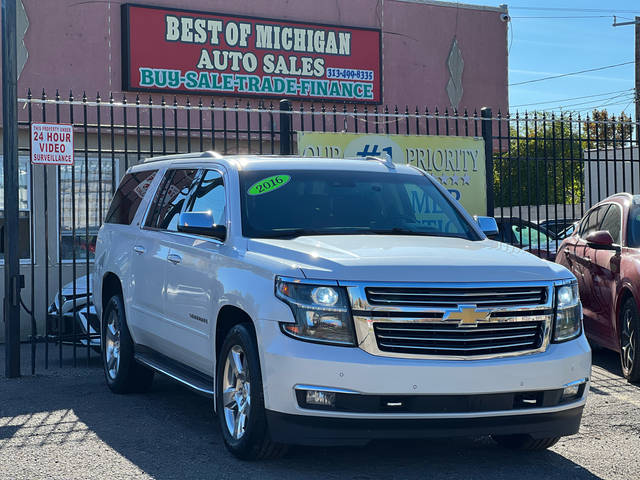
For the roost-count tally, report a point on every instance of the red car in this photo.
(604, 254)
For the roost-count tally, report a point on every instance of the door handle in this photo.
(174, 258)
(139, 249)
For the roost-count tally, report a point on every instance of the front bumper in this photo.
(308, 430)
(287, 362)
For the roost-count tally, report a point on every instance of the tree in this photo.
(543, 163)
(603, 130)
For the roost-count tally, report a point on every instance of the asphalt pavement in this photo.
(63, 423)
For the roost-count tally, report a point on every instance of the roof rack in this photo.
(621, 194)
(208, 154)
(386, 161)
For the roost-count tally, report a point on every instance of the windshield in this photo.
(527, 235)
(289, 204)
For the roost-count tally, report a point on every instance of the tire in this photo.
(243, 420)
(629, 338)
(122, 373)
(524, 442)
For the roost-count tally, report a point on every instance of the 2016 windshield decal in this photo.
(269, 184)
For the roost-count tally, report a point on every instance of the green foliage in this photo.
(542, 164)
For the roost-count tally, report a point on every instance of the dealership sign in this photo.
(169, 50)
(458, 163)
(51, 144)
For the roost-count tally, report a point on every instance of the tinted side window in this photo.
(170, 199)
(612, 222)
(594, 221)
(210, 197)
(583, 224)
(127, 198)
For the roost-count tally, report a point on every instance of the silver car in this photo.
(69, 318)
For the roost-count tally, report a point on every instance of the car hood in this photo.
(408, 259)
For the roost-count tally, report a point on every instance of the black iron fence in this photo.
(544, 171)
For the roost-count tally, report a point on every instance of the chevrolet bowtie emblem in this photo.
(467, 315)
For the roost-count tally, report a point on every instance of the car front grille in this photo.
(495, 297)
(450, 339)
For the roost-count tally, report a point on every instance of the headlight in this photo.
(321, 312)
(568, 321)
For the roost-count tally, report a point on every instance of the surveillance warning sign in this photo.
(51, 144)
(169, 50)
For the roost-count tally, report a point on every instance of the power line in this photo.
(569, 17)
(578, 108)
(571, 73)
(592, 101)
(592, 10)
(573, 98)
(610, 104)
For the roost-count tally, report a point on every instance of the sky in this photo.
(543, 47)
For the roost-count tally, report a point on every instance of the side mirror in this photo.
(488, 225)
(600, 240)
(201, 223)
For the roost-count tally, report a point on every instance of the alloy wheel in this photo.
(236, 392)
(628, 340)
(112, 345)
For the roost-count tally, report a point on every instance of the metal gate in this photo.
(543, 168)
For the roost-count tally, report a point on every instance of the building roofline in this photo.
(501, 9)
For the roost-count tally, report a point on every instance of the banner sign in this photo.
(51, 144)
(170, 50)
(458, 163)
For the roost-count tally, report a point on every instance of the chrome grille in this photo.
(494, 297)
(449, 339)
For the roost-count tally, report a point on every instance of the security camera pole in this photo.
(12, 279)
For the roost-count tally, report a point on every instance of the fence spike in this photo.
(150, 100)
(97, 97)
(188, 103)
(110, 97)
(137, 99)
(162, 101)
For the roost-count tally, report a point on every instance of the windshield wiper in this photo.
(406, 231)
(306, 232)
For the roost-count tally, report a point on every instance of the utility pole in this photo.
(636, 22)
(12, 278)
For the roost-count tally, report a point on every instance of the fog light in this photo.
(323, 399)
(572, 391)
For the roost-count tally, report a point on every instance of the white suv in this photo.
(324, 301)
